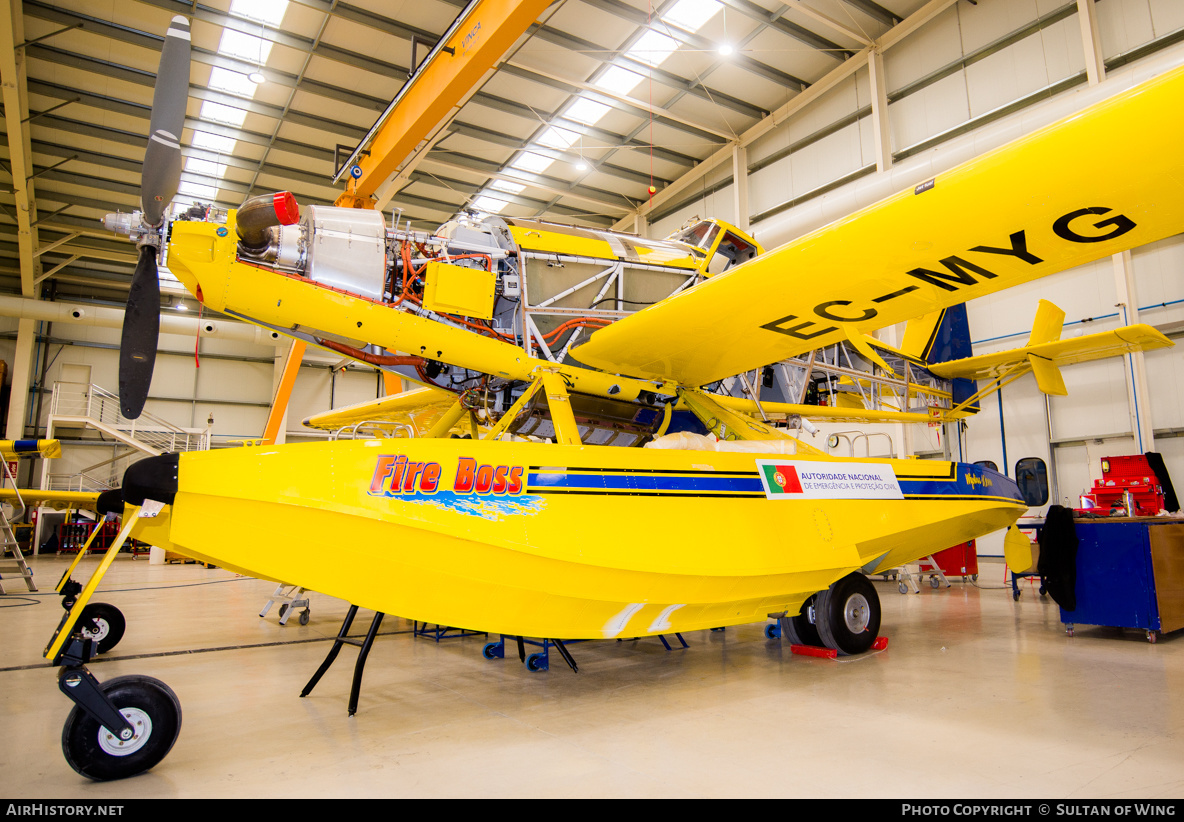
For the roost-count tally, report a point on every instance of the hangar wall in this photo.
(974, 72)
(965, 81)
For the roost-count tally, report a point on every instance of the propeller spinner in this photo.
(158, 186)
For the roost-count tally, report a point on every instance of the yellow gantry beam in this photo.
(471, 47)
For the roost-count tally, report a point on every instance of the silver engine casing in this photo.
(343, 248)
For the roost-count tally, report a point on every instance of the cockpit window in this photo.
(732, 251)
(701, 234)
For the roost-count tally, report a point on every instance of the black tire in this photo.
(847, 614)
(103, 623)
(304, 616)
(150, 705)
(802, 630)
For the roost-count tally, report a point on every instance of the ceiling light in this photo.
(725, 49)
(257, 78)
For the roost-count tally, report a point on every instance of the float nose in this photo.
(153, 478)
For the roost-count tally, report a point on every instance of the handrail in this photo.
(76, 399)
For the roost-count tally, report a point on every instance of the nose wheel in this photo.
(102, 623)
(148, 707)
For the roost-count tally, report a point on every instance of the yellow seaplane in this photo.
(513, 491)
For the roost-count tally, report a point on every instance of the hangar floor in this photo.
(976, 696)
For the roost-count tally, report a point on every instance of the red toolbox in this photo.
(1122, 474)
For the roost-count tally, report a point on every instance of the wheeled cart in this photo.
(1129, 574)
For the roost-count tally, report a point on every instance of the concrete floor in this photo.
(976, 696)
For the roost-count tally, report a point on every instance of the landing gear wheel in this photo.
(103, 623)
(152, 709)
(847, 615)
(802, 630)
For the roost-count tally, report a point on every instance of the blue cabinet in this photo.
(1130, 574)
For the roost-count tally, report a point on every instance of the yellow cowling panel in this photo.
(1104, 180)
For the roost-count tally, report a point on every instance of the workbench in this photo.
(1130, 574)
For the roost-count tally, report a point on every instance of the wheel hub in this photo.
(857, 613)
(97, 630)
(113, 745)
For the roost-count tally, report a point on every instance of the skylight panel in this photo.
(529, 161)
(692, 15)
(213, 142)
(231, 81)
(205, 167)
(559, 138)
(507, 186)
(652, 48)
(197, 190)
(219, 113)
(244, 46)
(489, 205)
(270, 12)
(586, 111)
(618, 80)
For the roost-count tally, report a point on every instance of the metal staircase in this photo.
(83, 404)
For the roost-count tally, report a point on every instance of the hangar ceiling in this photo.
(596, 102)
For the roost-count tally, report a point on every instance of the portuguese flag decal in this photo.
(813, 479)
(781, 479)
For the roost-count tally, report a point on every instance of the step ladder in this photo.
(16, 567)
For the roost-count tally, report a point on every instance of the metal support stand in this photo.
(343, 638)
(289, 598)
(439, 632)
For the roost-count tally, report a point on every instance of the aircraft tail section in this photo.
(940, 337)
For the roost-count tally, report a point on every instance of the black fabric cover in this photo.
(1170, 502)
(1058, 557)
(154, 478)
(110, 502)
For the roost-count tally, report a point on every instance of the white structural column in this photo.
(641, 225)
(1091, 41)
(881, 132)
(740, 186)
(22, 377)
(1138, 395)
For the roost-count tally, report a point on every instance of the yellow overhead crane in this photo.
(470, 47)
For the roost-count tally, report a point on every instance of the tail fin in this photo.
(941, 337)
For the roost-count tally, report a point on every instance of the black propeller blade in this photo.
(162, 160)
(158, 185)
(141, 330)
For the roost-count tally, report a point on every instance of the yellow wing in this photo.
(419, 408)
(1104, 180)
(54, 499)
(12, 449)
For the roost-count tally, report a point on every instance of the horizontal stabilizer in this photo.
(1054, 355)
